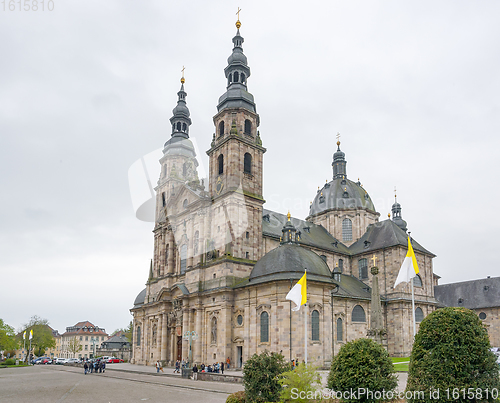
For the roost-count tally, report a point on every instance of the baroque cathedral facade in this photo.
(223, 264)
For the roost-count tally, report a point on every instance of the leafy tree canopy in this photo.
(42, 335)
(7, 337)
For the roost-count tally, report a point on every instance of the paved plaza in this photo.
(120, 383)
(68, 384)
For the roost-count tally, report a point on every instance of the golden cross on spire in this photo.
(183, 80)
(395, 193)
(238, 23)
(374, 258)
(288, 215)
(338, 138)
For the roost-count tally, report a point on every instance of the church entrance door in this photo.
(179, 348)
(239, 356)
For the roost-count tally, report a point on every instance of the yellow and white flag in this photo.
(409, 268)
(24, 335)
(31, 334)
(298, 293)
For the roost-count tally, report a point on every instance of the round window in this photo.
(482, 316)
(239, 320)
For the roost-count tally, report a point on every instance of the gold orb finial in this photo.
(183, 80)
(389, 215)
(338, 139)
(288, 215)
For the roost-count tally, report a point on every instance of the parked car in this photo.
(60, 360)
(114, 360)
(46, 360)
(41, 360)
(73, 361)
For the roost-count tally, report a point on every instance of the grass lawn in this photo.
(401, 363)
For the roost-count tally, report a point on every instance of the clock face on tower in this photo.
(219, 185)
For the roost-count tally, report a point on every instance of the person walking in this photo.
(228, 361)
(103, 365)
(85, 367)
(158, 365)
(177, 366)
(222, 368)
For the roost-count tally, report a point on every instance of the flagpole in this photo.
(413, 309)
(305, 331)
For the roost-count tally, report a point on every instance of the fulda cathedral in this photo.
(223, 264)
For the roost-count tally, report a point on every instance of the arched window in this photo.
(358, 314)
(179, 126)
(248, 127)
(163, 200)
(214, 331)
(185, 203)
(363, 269)
(341, 265)
(184, 249)
(236, 77)
(230, 79)
(417, 281)
(221, 164)
(243, 78)
(264, 327)
(419, 315)
(340, 330)
(346, 230)
(315, 325)
(138, 336)
(221, 128)
(196, 242)
(247, 163)
(184, 127)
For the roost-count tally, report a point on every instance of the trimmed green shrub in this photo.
(451, 354)
(362, 364)
(10, 361)
(260, 377)
(237, 397)
(299, 384)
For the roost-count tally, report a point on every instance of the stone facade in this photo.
(209, 237)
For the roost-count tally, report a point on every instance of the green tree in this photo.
(260, 377)
(304, 378)
(362, 364)
(74, 346)
(42, 335)
(452, 352)
(7, 337)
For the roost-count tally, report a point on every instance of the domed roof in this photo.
(341, 194)
(288, 261)
(181, 109)
(139, 300)
(179, 145)
(237, 57)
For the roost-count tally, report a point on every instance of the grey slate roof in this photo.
(331, 196)
(475, 294)
(352, 287)
(384, 234)
(287, 262)
(317, 236)
(139, 300)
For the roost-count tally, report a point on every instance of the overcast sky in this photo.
(88, 88)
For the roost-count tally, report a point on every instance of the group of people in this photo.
(97, 366)
(217, 367)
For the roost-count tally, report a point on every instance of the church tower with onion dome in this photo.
(236, 161)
